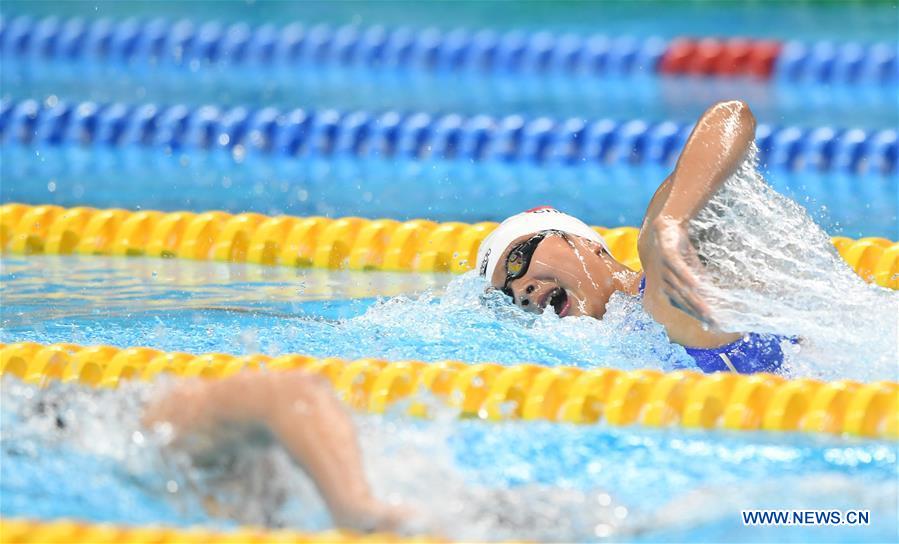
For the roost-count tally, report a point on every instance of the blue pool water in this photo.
(201, 307)
(642, 97)
(844, 204)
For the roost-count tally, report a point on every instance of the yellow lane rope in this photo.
(494, 392)
(22, 531)
(349, 242)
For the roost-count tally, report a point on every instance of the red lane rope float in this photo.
(715, 57)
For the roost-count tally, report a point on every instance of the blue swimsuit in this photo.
(752, 353)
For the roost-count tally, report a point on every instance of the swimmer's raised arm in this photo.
(301, 412)
(714, 151)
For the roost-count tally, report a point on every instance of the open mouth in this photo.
(558, 299)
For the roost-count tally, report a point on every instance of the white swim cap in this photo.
(529, 222)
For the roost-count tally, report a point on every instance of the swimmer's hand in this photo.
(679, 263)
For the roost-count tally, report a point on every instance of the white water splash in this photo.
(466, 323)
(773, 270)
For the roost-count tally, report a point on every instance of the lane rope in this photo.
(494, 392)
(349, 242)
(514, 138)
(185, 43)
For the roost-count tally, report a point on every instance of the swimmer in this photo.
(299, 411)
(544, 258)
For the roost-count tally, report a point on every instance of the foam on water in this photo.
(467, 323)
(771, 269)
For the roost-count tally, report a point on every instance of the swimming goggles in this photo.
(519, 259)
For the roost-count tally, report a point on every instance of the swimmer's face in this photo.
(570, 274)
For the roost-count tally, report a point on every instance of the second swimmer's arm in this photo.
(303, 414)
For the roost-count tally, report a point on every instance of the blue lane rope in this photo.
(186, 43)
(513, 138)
